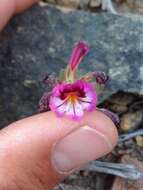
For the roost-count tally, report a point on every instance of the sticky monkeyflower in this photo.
(73, 95)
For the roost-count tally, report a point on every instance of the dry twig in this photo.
(125, 137)
(108, 6)
(123, 170)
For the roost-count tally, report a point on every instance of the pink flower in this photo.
(73, 99)
(72, 95)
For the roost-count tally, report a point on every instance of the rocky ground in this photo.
(121, 6)
(40, 41)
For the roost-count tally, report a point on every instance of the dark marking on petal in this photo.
(62, 103)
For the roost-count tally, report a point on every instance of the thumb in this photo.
(39, 151)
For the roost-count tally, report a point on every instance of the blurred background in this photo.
(121, 6)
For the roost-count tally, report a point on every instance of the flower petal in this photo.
(61, 110)
(79, 52)
(72, 99)
(74, 110)
(78, 110)
(55, 102)
(85, 105)
(70, 110)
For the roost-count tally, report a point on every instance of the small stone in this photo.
(67, 187)
(122, 98)
(118, 108)
(29, 83)
(51, 1)
(135, 4)
(130, 3)
(84, 4)
(94, 3)
(131, 120)
(69, 3)
(119, 1)
(139, 141)
(120, 102)
(139, 6)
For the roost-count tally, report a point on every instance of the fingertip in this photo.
(111, 129)
(96, 136)
(61, 126)
(23, 4)
(10, 7)
(60, 143)
(103, 124)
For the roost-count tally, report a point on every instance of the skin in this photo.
(25, 145)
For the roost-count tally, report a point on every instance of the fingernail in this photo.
(78, 148)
